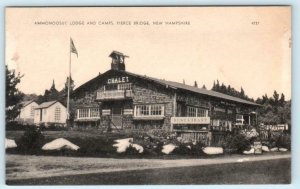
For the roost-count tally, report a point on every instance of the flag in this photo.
(72, 47)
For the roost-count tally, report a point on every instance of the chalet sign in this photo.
(118, 80)
(190, 120)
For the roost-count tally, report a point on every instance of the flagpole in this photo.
(68, 98)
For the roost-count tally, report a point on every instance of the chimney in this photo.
(118, 60)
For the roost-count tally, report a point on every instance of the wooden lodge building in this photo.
(125, 100)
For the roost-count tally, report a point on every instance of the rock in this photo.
(9, 143)
(59, 144)
(179, 139)
(275, 149)
(167, 149)
(265, 149)
(213, 150)
(283, 149)
(251, 151)
(123, 144)
(139, 148)
(124, 140)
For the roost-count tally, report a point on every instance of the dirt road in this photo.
(26, 167)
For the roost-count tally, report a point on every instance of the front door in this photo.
(116, 117)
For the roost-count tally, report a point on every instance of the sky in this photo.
(239, 46)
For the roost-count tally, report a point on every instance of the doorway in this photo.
(117, 117)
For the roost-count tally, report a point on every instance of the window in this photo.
(191, 111)
(94, 112)
(201, 112)
(57, 113)
(32, 111)
(239, 119)
(156, 110)
(196, 112)
(215, 122)
(153, 110)
(124, 86)
(83, 113)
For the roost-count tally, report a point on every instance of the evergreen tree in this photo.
(195, 84)
(51, 94)
(72, 86)
(223, 89)
(276, 98)
(229, 90)
(218, 86)
(242, 93)
(13, 95)
(282, 100)
(265, 99)
(203, 87)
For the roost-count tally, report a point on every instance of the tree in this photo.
(223, 89)
(214, 86)
(195, 84)
(32, 96)
(242, 93)
(13, 95)
(72, 85)
(276, 98)
(51, 94)
(218, 86)
(203, 87)
(282, 100)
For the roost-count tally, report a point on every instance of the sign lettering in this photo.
(118, 80)
(190, 120)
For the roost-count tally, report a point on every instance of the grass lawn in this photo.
(277, 171)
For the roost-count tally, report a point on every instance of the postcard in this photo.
(148, 95)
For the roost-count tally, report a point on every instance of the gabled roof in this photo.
(202, 91)
(176, 85)
(26, 103)
(46, 104)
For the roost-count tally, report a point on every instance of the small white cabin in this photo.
(52, 112)
(27, 112)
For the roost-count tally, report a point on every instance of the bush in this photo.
(53, 127)
(182, 149)
(15, 126)
(197, 149)
(237, 142)
(161, 133)
(31, 141)
(95, 146)
(131, 151)
(282, 140)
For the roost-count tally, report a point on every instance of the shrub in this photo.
(15, 126)
(131, 151)
(182, 149)
(197, 149)
(161, 133)
(31, 141)
(237, 142)
(283, 141)
(95, 146)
